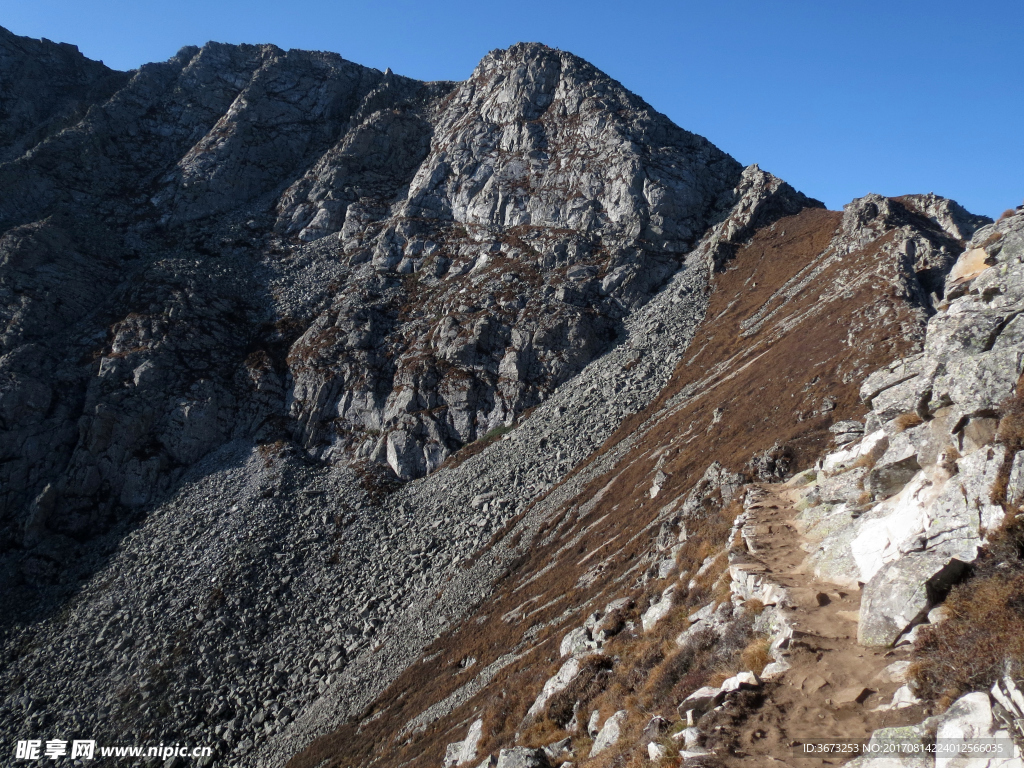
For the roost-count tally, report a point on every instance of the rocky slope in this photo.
(804, 310)
(332, 399)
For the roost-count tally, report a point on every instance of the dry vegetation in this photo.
(803, 355)
(905, 421)
(1010, 434)
(982, 638)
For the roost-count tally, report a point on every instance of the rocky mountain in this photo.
(342, 412)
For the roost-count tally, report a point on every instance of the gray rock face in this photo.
(596, 234)
(936, 480)
(46, 87)
(469, 248)
(107, 402)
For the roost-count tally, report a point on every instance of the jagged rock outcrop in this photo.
(45, 87)
(907, 524)
(552, 202)
(436, 311)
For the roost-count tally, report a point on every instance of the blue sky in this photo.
(838, 98)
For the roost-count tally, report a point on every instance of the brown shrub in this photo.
(1009, 433)
(680, 673)
(590, 682)
(540, 733)
(1011, 426)
(505, 711)
(666, 676)
(717, 678)
(755, 606)
(722, 590)
(982, 638)
(907, 420)
(644, 658)
(734, 638)
(756, 655)
(1007, 214)
(862, 461)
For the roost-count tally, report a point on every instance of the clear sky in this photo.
(839, 98)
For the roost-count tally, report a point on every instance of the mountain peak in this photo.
(316, 379)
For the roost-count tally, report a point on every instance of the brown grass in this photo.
(541, 733)
(1009, 433)
(595, 673)
(755, 606)
(864, 461)
(1007, 214)
(905, 421)
(756, 656)
(789, 366)
(982, 638)
(678, 675)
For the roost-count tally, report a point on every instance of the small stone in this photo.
(593, 724)
(854, 694)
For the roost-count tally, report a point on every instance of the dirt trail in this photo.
(833, 683)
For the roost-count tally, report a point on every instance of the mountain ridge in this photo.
(309, 369)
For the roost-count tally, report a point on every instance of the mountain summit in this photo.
(331, 399)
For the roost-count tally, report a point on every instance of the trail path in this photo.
(834, 684)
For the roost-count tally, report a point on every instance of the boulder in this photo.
(689, 737)
(886, 378)
(656, 727)
(841, 488)
(896, 467)
(556, 684)
(977, 433)
(774, 670)
(609, 733)
(905, 397)
(968, 719)
(851, 428)
(658, 610)
(522, 757)
(701, 700)
(461, 752)
(593, 724)
(869, 448)
(742, 681)
(901, 594)
(559, 748)
(576, 641)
